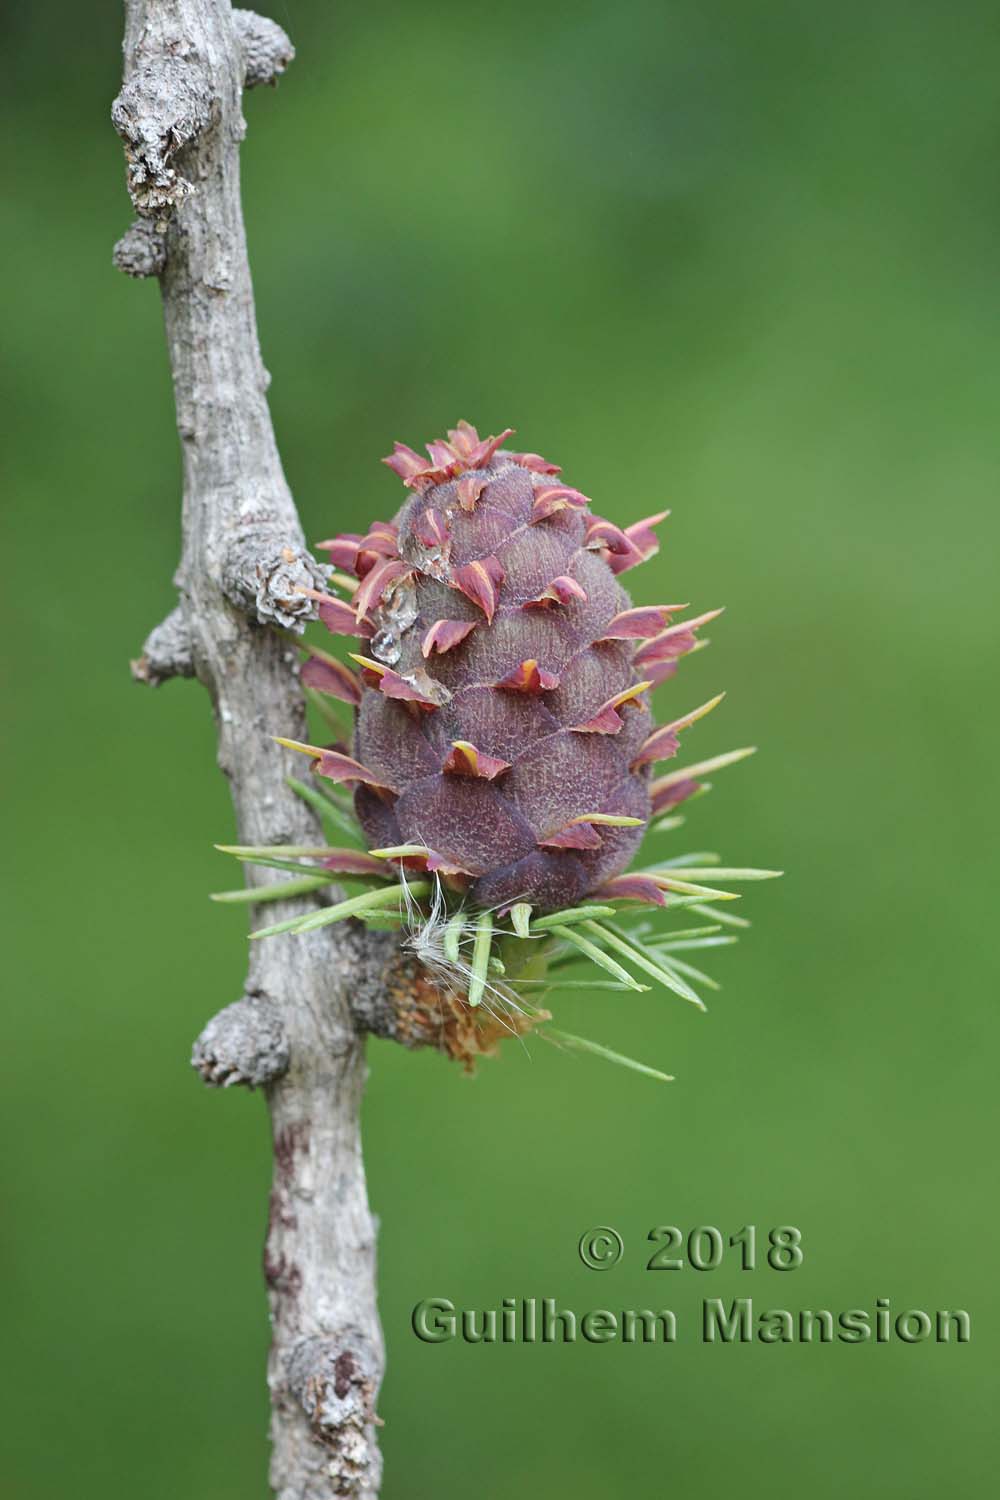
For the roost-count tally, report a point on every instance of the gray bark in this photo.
(180, 116)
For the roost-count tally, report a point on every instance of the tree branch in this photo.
(180, 117)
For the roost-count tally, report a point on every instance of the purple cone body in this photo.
(495, 716)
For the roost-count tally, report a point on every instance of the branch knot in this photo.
(162, 108)
(167, 652)
(266, 48)
(244, 1044)
(334, 1381)
(266, 576)
(142, 250)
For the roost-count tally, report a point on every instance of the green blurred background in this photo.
(736, 258)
